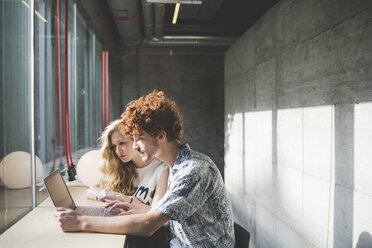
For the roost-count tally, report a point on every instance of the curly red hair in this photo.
(152, 114)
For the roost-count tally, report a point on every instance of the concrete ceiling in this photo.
(148, 23)
(229, 18)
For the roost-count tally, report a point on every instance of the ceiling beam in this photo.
(176, 1)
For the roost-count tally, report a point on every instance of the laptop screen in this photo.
(58, 191)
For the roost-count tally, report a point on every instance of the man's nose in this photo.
(135, 145)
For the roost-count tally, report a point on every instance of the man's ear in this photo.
(162, 135)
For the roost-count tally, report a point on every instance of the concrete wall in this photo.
(193, 80)
(298, 125)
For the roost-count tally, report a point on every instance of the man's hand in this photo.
(134, 206)
(68, 219)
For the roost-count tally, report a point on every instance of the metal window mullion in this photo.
(32, 103)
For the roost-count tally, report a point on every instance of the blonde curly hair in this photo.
(116, 175)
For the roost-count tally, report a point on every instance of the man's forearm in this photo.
(138, 224)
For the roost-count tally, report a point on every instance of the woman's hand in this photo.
(133, 206)
(92, 192)
(110, 195)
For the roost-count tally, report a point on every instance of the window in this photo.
(84, 96)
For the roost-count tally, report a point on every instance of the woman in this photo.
(126, 178)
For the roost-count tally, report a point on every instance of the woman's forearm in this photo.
(122, 197)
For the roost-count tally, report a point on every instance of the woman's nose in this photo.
(118, 149)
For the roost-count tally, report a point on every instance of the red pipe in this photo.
(107, 69)
(103, 90)
(59, 84)
(107, 90)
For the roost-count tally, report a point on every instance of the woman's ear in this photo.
(162, 135)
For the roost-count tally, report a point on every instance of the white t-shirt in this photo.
(146, 182)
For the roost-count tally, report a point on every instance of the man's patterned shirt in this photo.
(196, 201)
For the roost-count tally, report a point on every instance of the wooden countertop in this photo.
(39, 229)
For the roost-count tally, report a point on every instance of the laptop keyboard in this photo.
(91, 211)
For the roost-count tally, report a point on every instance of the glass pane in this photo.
(15, 147)
(83, 93)
(45, 128)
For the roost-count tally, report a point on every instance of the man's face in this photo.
(147, 146)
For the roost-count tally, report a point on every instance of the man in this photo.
(195, 204)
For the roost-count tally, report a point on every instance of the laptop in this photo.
(61, 197)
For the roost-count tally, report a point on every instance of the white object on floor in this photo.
(15, 170)
(88, 168)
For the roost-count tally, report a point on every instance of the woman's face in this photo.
(122, 146)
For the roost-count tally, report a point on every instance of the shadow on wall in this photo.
(364, 240)
(343, 222)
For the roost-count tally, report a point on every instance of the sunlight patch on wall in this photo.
(248, 159)
(234, 151)
(258, 154)
(305, 147)
(290, 166)
(318, 147)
